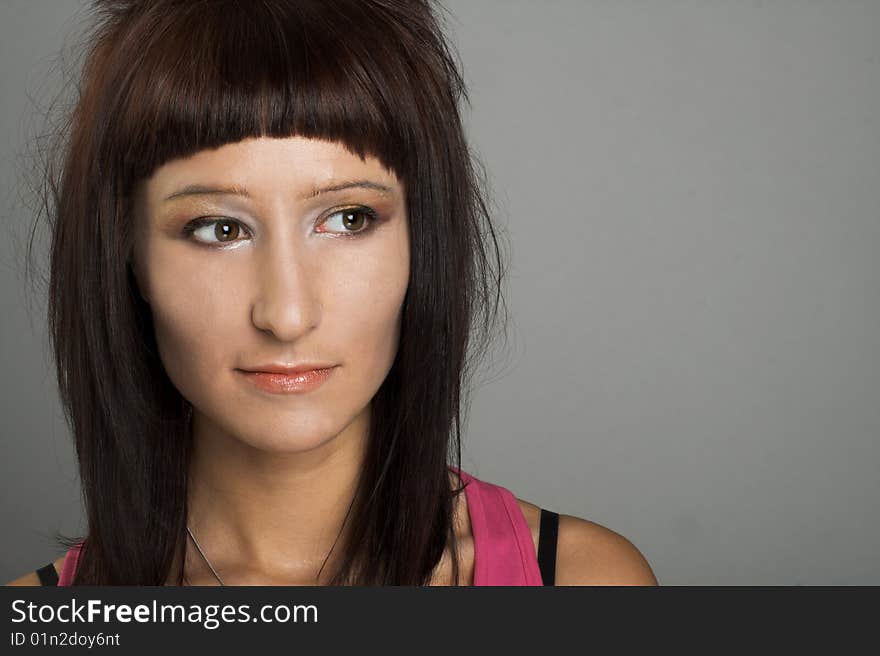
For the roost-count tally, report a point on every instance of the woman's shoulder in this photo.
(588, 553)
(31, 578)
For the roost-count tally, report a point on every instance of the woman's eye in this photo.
(351, 221)
(214, 230)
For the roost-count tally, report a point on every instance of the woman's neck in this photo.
(268, 517)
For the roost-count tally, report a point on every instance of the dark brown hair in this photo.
(163, 79)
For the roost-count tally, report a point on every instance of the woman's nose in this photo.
(286, 304)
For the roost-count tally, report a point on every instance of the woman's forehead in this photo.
(303, 166)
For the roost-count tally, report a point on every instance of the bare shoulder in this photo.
(588, 553)
(31, 578)
(591, 554)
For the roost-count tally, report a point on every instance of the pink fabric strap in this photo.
(504, 552)
(71, 560)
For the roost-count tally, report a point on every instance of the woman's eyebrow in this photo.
(208, 190)
(365, 184)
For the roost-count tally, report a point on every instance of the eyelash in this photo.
(196, 224)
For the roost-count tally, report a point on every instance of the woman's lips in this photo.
(273, 383)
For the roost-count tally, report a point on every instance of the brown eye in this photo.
(226, 230)
(351, 222)
(213, 231)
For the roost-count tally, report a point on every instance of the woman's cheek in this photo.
(190, 321)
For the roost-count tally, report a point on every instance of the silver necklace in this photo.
(204, 557)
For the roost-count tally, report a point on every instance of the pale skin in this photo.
(278, 280)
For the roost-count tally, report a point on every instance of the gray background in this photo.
(691, 193)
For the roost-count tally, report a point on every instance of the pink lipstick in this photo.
(288, 383)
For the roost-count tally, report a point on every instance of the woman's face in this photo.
(247, 258)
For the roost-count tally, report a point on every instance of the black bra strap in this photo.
(48, 575)
(547, 545)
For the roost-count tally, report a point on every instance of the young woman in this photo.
(272, 271)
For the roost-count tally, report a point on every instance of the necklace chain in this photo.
(204, 557)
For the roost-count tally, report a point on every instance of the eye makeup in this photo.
(227, 229)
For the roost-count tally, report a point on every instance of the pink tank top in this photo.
(504, 553)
